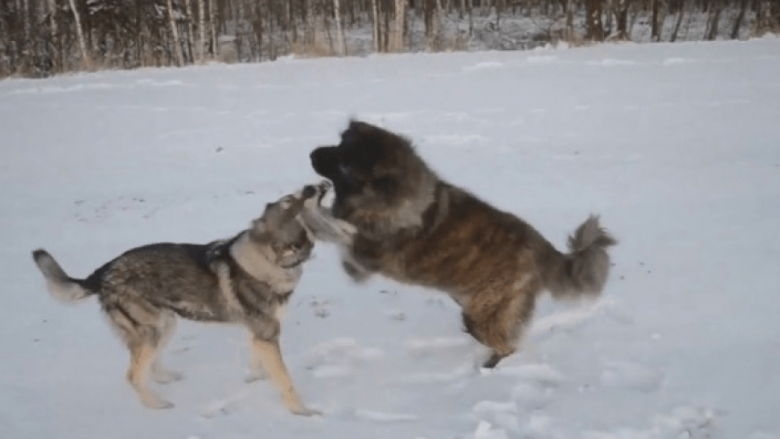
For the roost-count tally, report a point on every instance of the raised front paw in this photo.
(317, 191)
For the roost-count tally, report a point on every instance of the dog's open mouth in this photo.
(295, 263)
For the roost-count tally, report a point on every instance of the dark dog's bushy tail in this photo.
(61, 286)
(584, 270)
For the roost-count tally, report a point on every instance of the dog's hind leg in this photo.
(499, 325)
(142, 353)
(159, 373)
(270, 356)
(141, 326)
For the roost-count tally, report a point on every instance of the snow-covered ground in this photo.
(676, 146)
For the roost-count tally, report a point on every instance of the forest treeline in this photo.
(43, 37)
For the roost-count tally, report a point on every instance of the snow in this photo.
(677, 147)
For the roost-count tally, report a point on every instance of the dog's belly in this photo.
(203, 305)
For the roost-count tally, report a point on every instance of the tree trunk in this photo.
(774, 14)
(471, 18)
(593, 20)
(654, 25)
(375, 14)
(190, 29)
(28, 43)
(570, 20)
(386, 28)
(432, 23)
(621, 19)
(436, 26)
(213, 28)
(55, 36)
(679, 22)
(738, 21)
(80, 33)
(201, 30)
(714, 18)
(400, 18)
(342, 45)
(290, 19)
(175, 34)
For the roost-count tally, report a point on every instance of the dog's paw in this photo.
(303, 411)
(347, 228)
(255, 375)
(324, 187)
(155, 402)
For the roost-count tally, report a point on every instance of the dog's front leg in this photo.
(256, 371)
(270, 356)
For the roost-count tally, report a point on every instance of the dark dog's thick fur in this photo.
(245, 280)
(416, 228)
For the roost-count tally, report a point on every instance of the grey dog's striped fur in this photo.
(244, 280)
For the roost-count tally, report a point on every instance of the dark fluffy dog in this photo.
(416, 228)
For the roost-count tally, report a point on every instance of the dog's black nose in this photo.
(309, 191)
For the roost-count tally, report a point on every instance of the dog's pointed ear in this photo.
(293, 208)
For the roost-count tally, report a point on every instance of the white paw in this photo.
(155, 402)
(166, 376)
(255, 375)
(303, 411)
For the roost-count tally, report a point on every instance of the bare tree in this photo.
(593, 20)
(55, 36)
(738, 21)
(342, 45)
(27, 50)
(175, 34)
(621, 19)
(375, 14)
(79, 31)
(679, 21)
(471, 18)
(654, 33)
(400, 21)
(714, 18)
(190, 28)
(201, 30)
(213, 28)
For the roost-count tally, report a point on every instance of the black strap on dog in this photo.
(220, 250)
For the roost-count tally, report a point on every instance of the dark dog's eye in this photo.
(349, 174)
(385, 185)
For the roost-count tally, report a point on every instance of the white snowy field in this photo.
(676, 146)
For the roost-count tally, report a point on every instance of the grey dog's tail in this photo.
(584, 270)
(61, 286)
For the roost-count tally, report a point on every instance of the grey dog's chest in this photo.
(244, 296)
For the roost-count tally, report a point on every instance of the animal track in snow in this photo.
(337, 358)
(631, 376)
(570, 319)
(375, 416)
